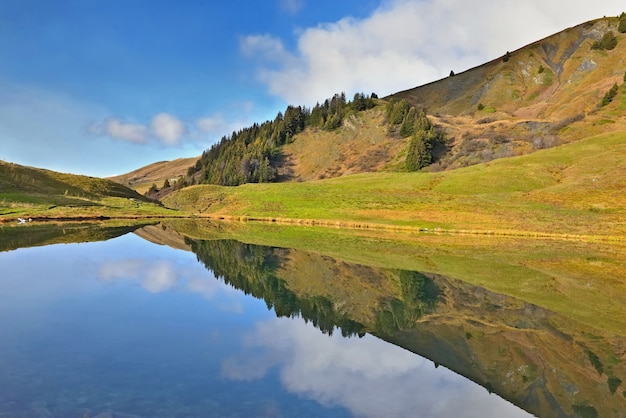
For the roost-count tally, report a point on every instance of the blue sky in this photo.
(102, 87)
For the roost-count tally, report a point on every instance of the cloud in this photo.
(165, 128)
(265, 47)
(405, 43)
(211, 124)
(291, 7)
(130, 132)
(369, 377)
(168, 129)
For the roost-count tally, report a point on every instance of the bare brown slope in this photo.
(156, 173)
(360, 145)
(573, 79)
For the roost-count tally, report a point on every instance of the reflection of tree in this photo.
(419, 295)
(252, 269)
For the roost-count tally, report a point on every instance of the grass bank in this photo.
(575, 189)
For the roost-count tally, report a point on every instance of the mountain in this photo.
(539, 96)
(542, 95)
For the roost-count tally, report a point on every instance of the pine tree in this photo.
(621, 28)
(418, 155)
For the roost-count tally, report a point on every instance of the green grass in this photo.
(575, 189)
(38, 193)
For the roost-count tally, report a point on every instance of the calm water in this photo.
(129, 328)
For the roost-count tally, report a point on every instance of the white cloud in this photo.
(265, 47)
(167, 128)
(211, 124)
(291, 6)
(131, 132)
(406, 43)
(369, 377)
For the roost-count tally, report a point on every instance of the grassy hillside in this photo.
(542, 95)
(576, 188)
(34, 192)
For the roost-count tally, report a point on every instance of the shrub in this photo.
(541, 69)
(621, 28)
(482, 106)
(608, 42)
(610, 95)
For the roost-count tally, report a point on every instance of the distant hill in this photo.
(42, 184)
(156, 173)
(33, 192)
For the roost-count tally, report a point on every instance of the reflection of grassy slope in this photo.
(34, 192)
(533, 357)
(573, 189)
(578, 280)
(34, 235)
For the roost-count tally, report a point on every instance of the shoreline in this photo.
(338, 224)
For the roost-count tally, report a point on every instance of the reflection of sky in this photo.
(128, 326)
(368, 376)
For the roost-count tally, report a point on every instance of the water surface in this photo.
(126, 327)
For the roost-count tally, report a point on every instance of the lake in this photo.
(154, 321)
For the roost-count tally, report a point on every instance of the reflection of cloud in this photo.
(161, 275)
(368, 376)
(155, 276)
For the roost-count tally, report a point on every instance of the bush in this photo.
(608, 42)
(480, 106)
(621, 28)
(610, 95)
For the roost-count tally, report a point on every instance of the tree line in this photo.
(408, 121)
(249, 155)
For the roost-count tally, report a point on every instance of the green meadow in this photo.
(571, 191)
(36, 193)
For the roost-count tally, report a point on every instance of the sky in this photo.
(103, 87)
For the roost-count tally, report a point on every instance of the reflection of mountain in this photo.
(256, 270)
(23, 236)
(543, 362)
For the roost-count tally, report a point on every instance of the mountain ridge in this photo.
(538, 96)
